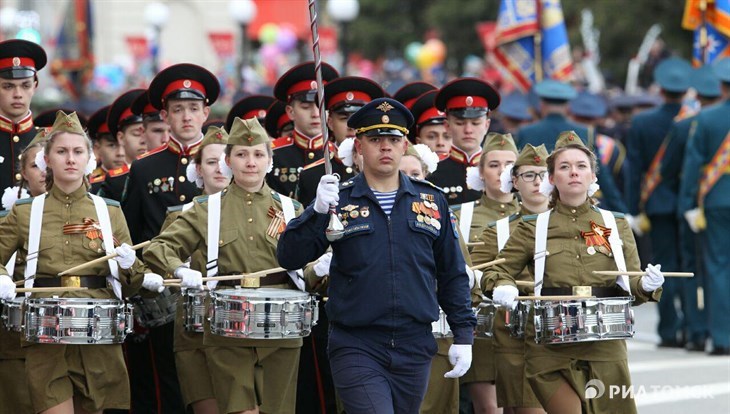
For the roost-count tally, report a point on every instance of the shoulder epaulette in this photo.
(119, 171)
(529, 217)
(282, 142)
(314, 164)
(276, 196)
(428, 183)
(97, 178)
(512, 218)
(4, 213)
(456, 207)
(174, 209)
(110, 202)
(347, 184)
(616, 214)
(26, 200)
(201, 199)
(153, 151)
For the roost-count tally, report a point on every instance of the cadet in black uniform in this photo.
(109, 154)
(298, 88)
(278, 123)
(430, 129)
(156, 130)
(253, 106)
(19, 61)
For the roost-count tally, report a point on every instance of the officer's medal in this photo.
(597, 239)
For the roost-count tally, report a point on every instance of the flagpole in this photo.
(703, 31)
(538, 43)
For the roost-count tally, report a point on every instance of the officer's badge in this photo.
(350, 96)
(187, 83)
(278, 223)
(469, 101)
(385, 107)
(597, 239)
(385, 119)
(16, 61)
(365, 211)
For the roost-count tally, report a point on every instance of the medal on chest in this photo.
(278, 223)
(597, 239)
(90, 228)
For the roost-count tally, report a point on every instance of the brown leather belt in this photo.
(599, 292)
(91, 282)
(277, 278)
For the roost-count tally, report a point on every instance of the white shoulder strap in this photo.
(467, 212)
(543, 219)
(297, 276)
(34, 240)
(616, 248)
(214, 229)
(187, 206)
(10, 265)
(102, 214)
(502, 233)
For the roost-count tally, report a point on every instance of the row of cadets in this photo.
(182, 94)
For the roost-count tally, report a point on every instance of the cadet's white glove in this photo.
(634, 224)
(460, 358)
(7, 288)
(505, 295)
(153, 282)
(328, 193)
(322, 267)
(190, 278)
(691, 217)
(125, 256)
(653, 279)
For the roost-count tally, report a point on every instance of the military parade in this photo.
(395, 235)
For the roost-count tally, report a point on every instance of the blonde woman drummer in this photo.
(525, 177)
(209, 172)
(248, 375)
(498, 154)
(74, 227)
(579, 238)
(14, 392)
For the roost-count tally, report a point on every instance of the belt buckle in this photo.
(582, 291)
(251, 282)
(70, 281)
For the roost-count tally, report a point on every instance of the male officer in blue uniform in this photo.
(707, 86)
(513, 113)
(385, 293)
(649, 196)
(706, 183)
(554, 97)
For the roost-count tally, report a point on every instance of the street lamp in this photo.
(156, 15)
(243, 12)
(7, 22)
(343, 12)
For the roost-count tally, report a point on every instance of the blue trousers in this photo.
(695, 319)
(375, 373)
(717, 266)
(664, 236)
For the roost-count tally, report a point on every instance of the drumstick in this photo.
(261, 273)
(101, 259)
(619, 273)
(553, 297)
(480, 243)
(524, 283)
(49, 289)
(488, 264)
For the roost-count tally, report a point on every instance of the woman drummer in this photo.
(209, 172)
(14, 392)
(499, 153)
(73, 227)
(248, 375)
(525, 176)
(578, 241)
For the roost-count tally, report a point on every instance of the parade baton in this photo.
(619, 273)
(488, 264)
(335, 230)
(575, 297)
(101, 259)
(469, 244)
(49, 289)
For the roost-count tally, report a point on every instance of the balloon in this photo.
(437, 49)
(412, 50)
(286, 39)
(425, 58)
(269, 54)
(268, 33)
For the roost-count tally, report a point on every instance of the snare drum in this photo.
(583, 320)
(263, 313)
(77, 321)
(441, 328)
(157, 310)
(485, 319)
(516, 319)
(194, 310)
(12, 314)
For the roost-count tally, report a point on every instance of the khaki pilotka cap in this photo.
(533, 156)
(40, 137)
(569, 138)
(499, 142)
(248, 132)
(67, 123)
(214, 135)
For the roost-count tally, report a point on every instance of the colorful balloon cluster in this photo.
(276, 39)
(426, 55)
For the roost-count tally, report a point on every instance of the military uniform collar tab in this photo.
(306, 143)
(22, 126)
(178, 148)
(76, 195)
(458, 155)
(573, 211)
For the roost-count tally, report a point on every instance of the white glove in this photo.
(153, 282)
(460, 358)
(691, 217)
(634, 224)
(322, 267)
(7, 288)
(505, 295)
(328, 193)
(125, 256)
(653, 279)
(190, 278)
(474, 276)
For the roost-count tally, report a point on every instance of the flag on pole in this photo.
(710, 20)
(73, 63)
(523, 26)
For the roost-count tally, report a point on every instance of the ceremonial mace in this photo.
(335, 229)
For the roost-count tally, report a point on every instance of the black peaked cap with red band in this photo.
(97, 124)
(350, 93)
(183, 81)
(276, 118)
(120, 112)
(142, 106)
(425, 113)
(408, 93)
(20, 59)
(467, 98)
(300, 82)
(253, 106)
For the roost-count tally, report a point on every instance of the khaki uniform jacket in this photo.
(246, 243)
(569, 264)
(487, 211)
